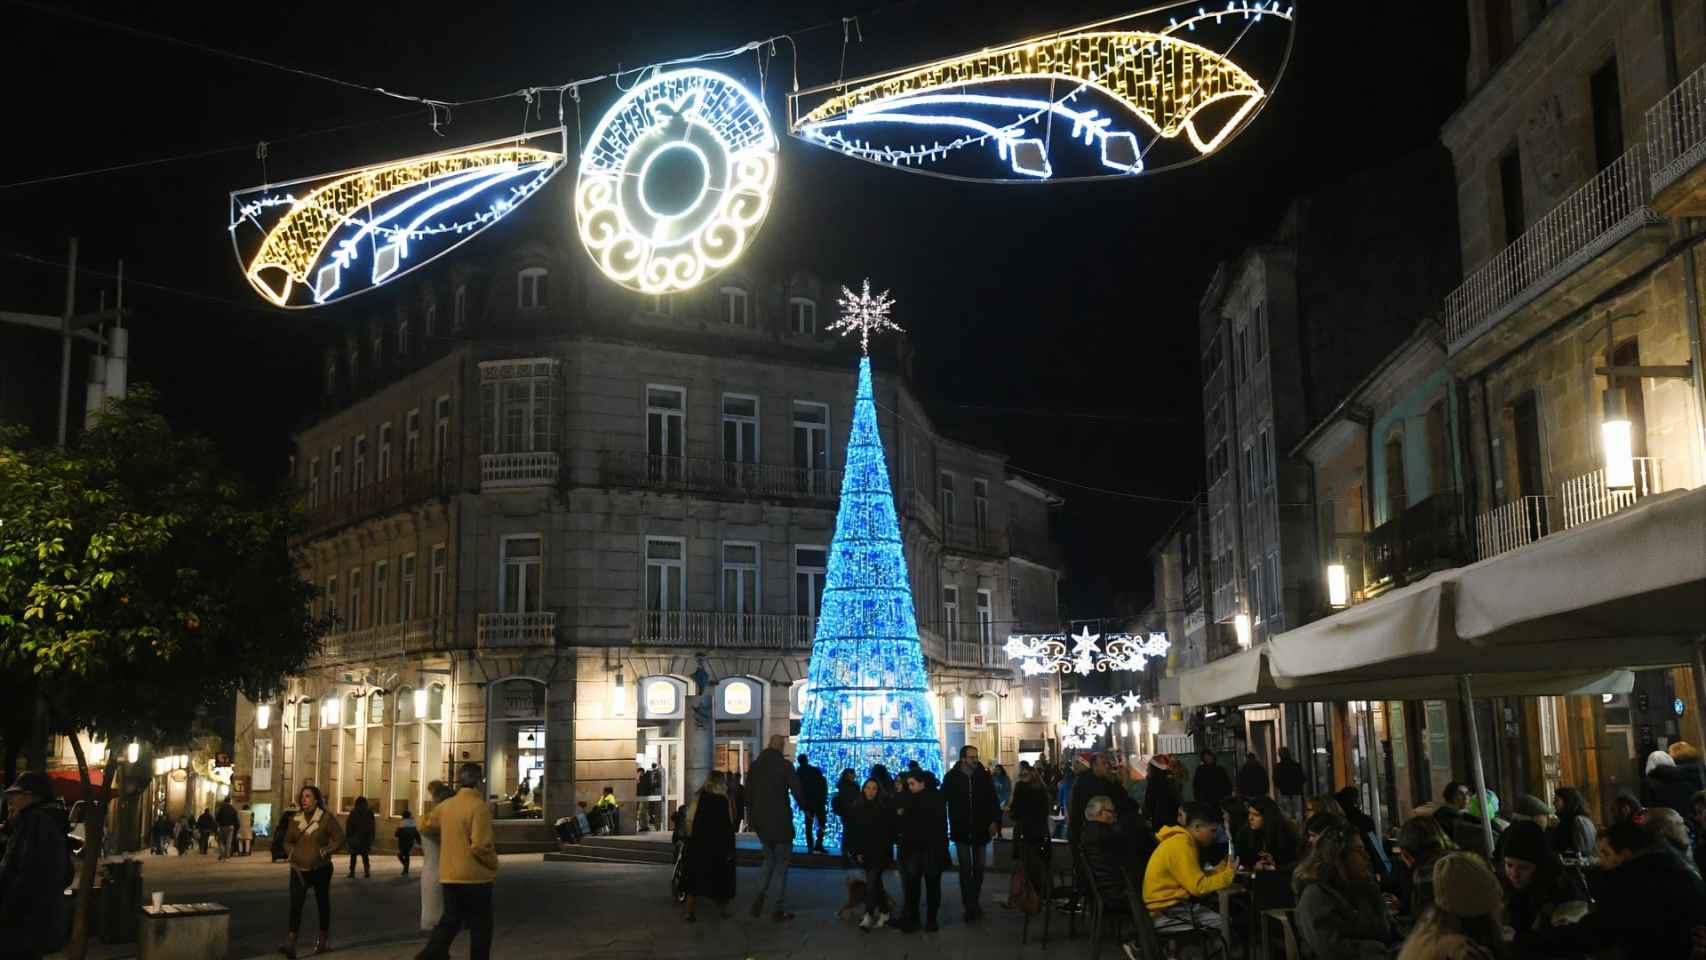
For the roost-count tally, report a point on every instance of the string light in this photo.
(864, 313)
(871, 699)
(1049, 652)
(692, 133)
(400, 215)
(1089, 718)
(1007, 99)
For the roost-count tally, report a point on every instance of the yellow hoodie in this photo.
(1174, 875)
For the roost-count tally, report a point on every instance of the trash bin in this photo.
(119, 901)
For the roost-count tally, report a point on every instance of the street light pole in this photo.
(65, 341)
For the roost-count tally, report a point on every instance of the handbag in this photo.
(1022, 896)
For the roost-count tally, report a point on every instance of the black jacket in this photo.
(1288, 777)
(1649, 906)
(205, 823)
(972, 806)
(814, 788)
(1252, 780)
(33, 875)
(1210, 785)
(226, 815)
(869, 836)
(1087, 786)
(922, 828)
(1160, 798)
(1674, 787)
(1344, 923)
(1112, 858)
(359, 830)
(1030, 809)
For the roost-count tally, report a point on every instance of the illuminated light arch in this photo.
(694, 120)
(303, 243)
(1114, 92)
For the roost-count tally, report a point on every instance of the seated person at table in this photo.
(1421, 844)
(1340, 914)
(1269, 840)
(1174, 876)
(1539, 894)
(1465, 922)
(1110, 854)
(1649, 903)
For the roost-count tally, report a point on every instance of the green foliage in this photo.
(140, 583)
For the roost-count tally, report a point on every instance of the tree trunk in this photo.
(94, 835)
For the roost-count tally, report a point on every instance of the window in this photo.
(1257, 323)
(986, 625)
(441, 430)
(740, 577)
(402, 335)
(1255, 588)
(951, 613)
(313, 483)
(517, 414)
(1249, 473)
(331, 375)
(1211, 358)
(530, 288)
(1439, 450)
(1396, 495)
(740, 429)
(947, 498)
(811, 446)
(411, 440)
(1500, 32)
(980, 504)
(802, 316)
(1013, 596)
(663, 304)
(1607, 114)
(381, 587)
(406, 588)
(358, 478)
(332, 598)
(811, 563)
(666, 429)
(384, 451)
(666, 574)
(1510, 193)
(459, 309)
(354, 363)
(1218, 462)
(1264, 463)
(354, 616)
(734, 307)
(1241, 357)
(520, 578)
(429, 317)
(337, 472)
(440, 571)
(378, 345)
(1275, 609)
(1217, 421)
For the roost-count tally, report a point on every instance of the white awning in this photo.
(1628, 590)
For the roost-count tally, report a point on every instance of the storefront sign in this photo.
(978, 723)
(240, 789)
(662, 699)
(737, 700)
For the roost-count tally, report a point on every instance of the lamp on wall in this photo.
(132, 752)
(1029, 704)
(619, 697)
(959, 707)
(1616, 436)
(263, 715)
(1338, 586)
(420, 703)
(1241, 627)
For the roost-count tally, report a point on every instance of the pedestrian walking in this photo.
(1252, 778)
(186, 837)
(1289, 781)
(245, 830)
(206, 828)
(847, 793)
(315, 838)
(644, 787)
(162, 832)
(710, 828)
(1030, 807)
(869, 842)
(1003, 795)
(1210, 785)
(969, 792)
(408, 834)
(923, 836)
(280, 832)
(225, 820)
(467, 867)
(359, 833)
(432, 894)
(769, 783)
(34, 871)
(814, 801)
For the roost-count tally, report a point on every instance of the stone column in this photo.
(697, 739)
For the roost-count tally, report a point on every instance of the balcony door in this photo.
(666, 585)
(810, 566)
(666, 432)
(740, 589)
(521, 586)
(811, 447)
(740, 440)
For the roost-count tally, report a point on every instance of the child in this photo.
(407, 835)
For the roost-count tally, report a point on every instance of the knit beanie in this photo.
(1465, 887)
(1526, 841)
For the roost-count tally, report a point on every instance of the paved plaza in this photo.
(592, 910)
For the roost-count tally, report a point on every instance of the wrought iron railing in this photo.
(1515, 524)
(638, 469)
(529, 469)
(1426, 536)
(1586, 497)
(379, 497)
(385, 640)
(983, 539)
(534, 629)
(1676, 131)
(1582, 226)
(719, 629)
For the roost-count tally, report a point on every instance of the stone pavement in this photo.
(594, 910)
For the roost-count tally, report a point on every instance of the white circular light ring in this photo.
(651, 247)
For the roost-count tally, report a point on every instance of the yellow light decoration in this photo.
(400, 214)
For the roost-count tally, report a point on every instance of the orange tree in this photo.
(141, 585)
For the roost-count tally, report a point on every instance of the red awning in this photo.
(68, 784)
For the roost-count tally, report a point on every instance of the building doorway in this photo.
(515, 748)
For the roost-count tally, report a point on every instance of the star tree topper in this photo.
(864, 313)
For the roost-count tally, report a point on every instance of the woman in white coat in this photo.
(432, 896)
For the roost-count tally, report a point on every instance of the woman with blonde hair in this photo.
(1465, 922)
(710, 829)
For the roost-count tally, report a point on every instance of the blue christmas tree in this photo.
(869, 698)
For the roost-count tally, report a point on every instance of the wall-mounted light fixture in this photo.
(1241, 627)
(1338, 585)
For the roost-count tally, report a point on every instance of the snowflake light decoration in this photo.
(1049, 653)
(864, 313)
(1090, 717)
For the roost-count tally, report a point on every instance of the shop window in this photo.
(515, 753)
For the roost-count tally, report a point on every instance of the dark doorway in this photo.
(1607, 114)
(1510, 194)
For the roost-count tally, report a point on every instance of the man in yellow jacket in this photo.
(467, 865)
(1175, 877)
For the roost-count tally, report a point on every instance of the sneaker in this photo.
(882, 921)
(866, 922)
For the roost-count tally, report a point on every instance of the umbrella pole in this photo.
(1475, 759)
(1699, 673)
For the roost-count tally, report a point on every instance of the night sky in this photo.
(1055, 322)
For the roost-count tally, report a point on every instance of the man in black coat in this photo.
(814, 802)
(226, 819)
(1113, 855)
(1289, 780)
(1649, 901)
(1252, 778)
(922, 828)
(1098, 781)
(972, 810)
(1210, 785)
(34, 871)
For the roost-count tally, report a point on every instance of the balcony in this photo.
(1580, 500)
(971, 653)
(381, 497)
(384, 641)
(621, 468)
(970, 538)
(1426, 537)
(1515, 524)
(1586, 497)
(715, 629)
(501, 471)
(535, 629)
(1676, 148)
(1586, 225)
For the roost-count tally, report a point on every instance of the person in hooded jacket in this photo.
(923, 834)
(35, 870)
(358, 834)
(1664, 785)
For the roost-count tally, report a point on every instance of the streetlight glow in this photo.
(959, 707)
(1338, 587)
(263, 715)
(420, 703)
(1616, 438)
(1241, 627)
(1030, 706)
(132, 752)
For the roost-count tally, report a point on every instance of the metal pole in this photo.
(1370, 757)
(65, 341)
(1699, 677)
(1475, 759)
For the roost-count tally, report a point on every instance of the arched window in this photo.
(459, 309)
(802, 316)
(1439, 450)
(732, 303)
(530, 288)
(1393, 461)
(429, 315)
(403, 336)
